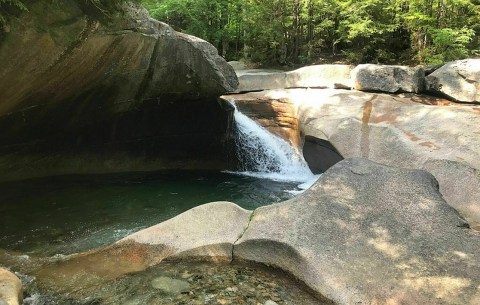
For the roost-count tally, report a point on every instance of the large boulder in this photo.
(10, 288)
(320, 76)
(459, 185)
(369, 234)
(257, 80)
(409, 131)
(117, 88)
(399, 131)
(389, 129)
(391, 79)
(317, 76)
(208, 230)
(458, 80)
(56, 53)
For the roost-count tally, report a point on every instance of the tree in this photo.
(287, 32)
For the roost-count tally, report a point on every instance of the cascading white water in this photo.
(263, 154)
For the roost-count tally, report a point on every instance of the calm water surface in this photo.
(61, 215)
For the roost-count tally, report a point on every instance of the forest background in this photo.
(281, 32)
(299, 32)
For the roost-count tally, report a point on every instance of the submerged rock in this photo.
(170, 286)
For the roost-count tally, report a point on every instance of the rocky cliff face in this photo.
(86, 91)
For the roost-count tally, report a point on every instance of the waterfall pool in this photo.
(62, 215)
(50, 217)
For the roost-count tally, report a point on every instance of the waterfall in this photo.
(265, 155)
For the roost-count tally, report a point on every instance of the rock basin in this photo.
(343, 238)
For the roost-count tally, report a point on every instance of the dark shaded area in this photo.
(78, 96)
(320, 154)
(155, 130)
(76, 213)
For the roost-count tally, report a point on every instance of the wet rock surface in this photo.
(170, 286)
(276, 115)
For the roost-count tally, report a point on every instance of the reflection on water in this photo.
(71, 214)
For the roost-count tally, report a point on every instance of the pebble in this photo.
(231, 289)
(181, 283)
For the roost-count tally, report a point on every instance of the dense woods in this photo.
(282, 32)
(306, 31)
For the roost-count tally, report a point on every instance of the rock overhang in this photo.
(77, 86)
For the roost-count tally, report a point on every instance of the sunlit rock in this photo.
(321, 76)
(371, 234)
(406, 130)
(401, 131)
(317, 76)
(257, 80)
(10, 288)
(391, 79)
(208, 230)
(459, 80)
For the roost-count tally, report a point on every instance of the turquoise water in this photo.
(61, 215)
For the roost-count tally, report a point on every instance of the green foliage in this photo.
(13, 7)
(284, 32)
(6, 6)
(218, 21)
(449, 44)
